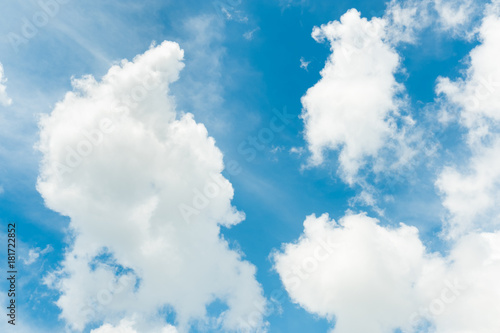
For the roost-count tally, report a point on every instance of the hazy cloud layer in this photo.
(4, 98)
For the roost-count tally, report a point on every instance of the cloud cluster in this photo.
(355, 107)
(358, 269)
(471, 192)
(143, 187)
(478, 94)
(5, 100)
(406, 18)
(365, 277)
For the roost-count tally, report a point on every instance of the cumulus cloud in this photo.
(478, 94)
(472, 195)
(143, 187)
(355, 106)
(475, 262)
(5, 100)
(471, 192)
(358, 269)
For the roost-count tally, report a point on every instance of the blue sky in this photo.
(243, 66)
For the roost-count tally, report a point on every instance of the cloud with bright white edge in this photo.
(471, 192)
(142, 185)
(472, 197)
(478, 94)
(358, 269)
(355, 106)
(5, 100)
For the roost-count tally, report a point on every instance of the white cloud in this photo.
(231, 11)
(304, 64)
(142, 185)
(355, 106)
(358, 269)
(472, 196)
(249, 35)
(475, 262)
(454, 15)
(471, 191)
(478, 94)
(35, 253)
(297, 150)
(5, 100)
(407, 18)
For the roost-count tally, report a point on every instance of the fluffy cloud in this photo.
(4, 98)
(472, 196)
(142, 185)
(475, 262)
(478, 94)
(455, 15)
(406, 18)
(354, 108)
(357, 107)
(358, 269)
(471, 193)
